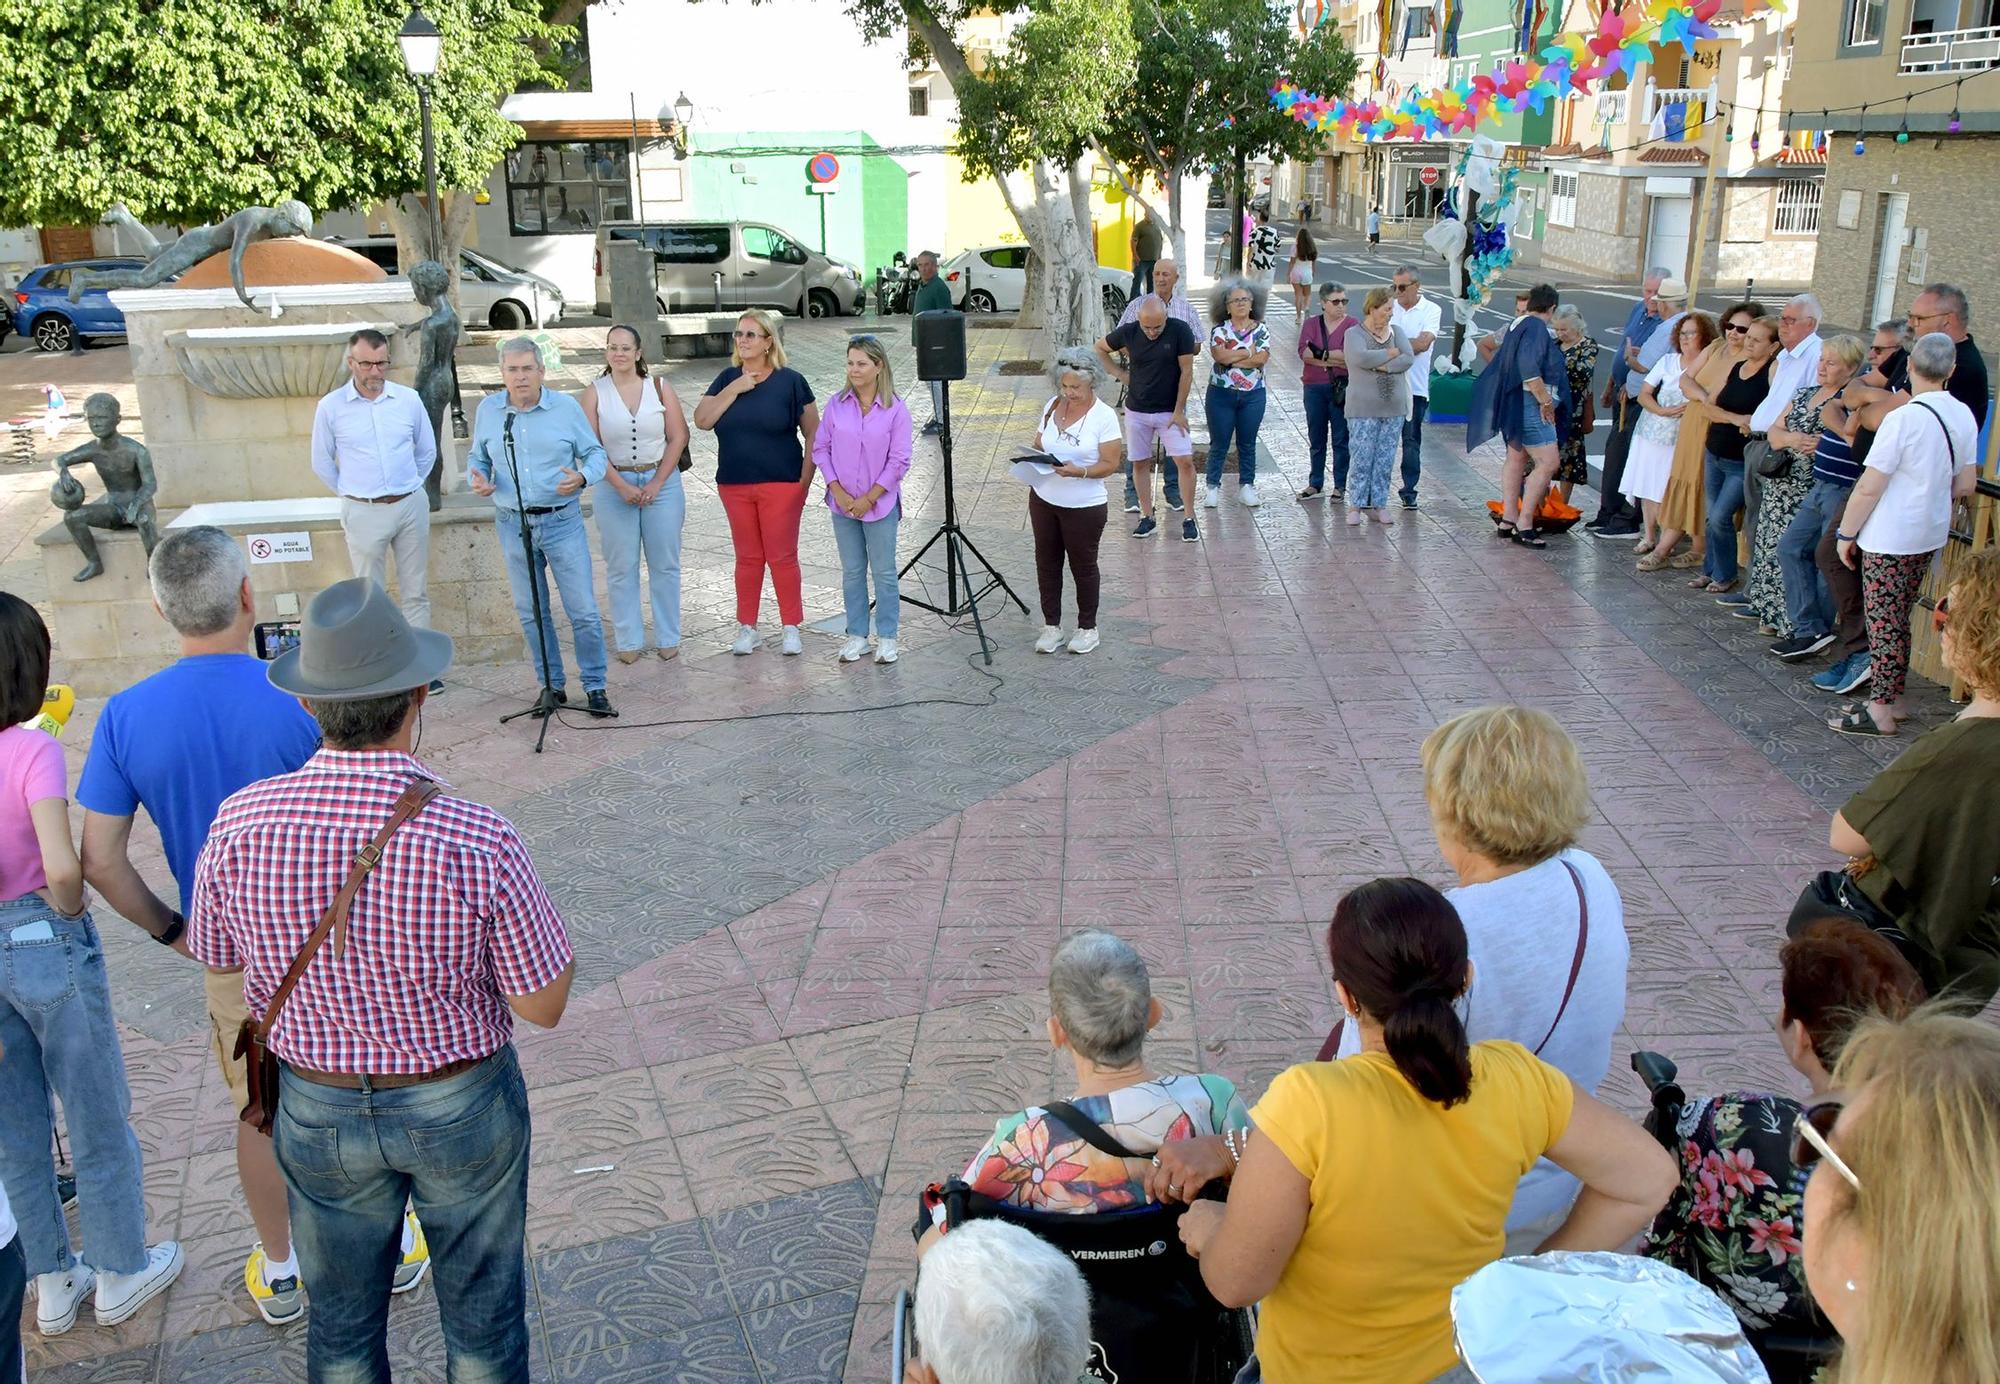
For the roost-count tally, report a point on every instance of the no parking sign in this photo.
(824, 168)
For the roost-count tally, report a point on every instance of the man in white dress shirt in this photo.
(1794, 367)
(373, 446)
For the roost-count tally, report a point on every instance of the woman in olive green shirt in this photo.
(1930, 822)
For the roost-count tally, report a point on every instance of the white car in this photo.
(993, 278)
(490, 294)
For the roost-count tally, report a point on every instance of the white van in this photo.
(699, 266)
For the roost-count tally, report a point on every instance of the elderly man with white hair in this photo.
(1794, 367)
(995, 1305)
(543, 434)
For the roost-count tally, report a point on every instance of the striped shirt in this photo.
(451, 922)
(1833, 460)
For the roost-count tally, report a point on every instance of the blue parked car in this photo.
(44, 314)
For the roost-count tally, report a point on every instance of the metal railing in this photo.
(1953, 50)
(1659, 96)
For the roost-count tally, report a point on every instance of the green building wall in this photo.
(866, 221)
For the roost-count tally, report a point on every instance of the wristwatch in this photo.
(173, 932)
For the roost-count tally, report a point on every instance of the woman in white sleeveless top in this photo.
(640, 503)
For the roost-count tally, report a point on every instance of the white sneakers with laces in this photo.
(885, 652)
(793, 645)
(1083, 641)
(1051, 639)
(855, 649)
(1247, 493)
(746, 640)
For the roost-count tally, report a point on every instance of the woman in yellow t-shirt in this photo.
(1377, 1184)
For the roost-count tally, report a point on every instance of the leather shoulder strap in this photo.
(334, 920)
(1576, 961)
(1087, 1129)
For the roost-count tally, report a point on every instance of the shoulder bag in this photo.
(687, 448)
(253, 1040)
(1330, 1049)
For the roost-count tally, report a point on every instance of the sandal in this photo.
(1503, 529)
(1311, 492)
(1686, 560)
(1698, 584)
(1529, 538)
(1857, 721)
(1651, 562)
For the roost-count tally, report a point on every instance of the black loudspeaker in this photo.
(941, 345)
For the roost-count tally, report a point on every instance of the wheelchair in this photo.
(1152, 1319)
(1790, 1356)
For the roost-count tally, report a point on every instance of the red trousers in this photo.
(764, 522)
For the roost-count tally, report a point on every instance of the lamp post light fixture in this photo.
(422, 46)
(678, 133)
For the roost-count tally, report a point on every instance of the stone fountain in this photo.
(227, 393)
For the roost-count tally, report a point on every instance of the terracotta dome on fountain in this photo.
(291, 261)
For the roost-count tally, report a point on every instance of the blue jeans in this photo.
(1142, 277)
(1374, 443)
(1326, 421)
(13, 1287)
(1413, 444)
(1722, 485)
(626, 529)
(867, 547)
(1237, 411)
(59, 1035)
(457, 1150)
(564, 553)
(1808, 599)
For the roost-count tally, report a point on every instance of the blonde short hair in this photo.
(1377, 296)
(1973, 620)
(1506, 782)
(769, 326)
(1925, 1146)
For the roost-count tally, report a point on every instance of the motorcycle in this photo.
(895, 285)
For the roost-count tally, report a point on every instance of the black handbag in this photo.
(1767, 461)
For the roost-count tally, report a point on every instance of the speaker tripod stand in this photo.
(957, 570)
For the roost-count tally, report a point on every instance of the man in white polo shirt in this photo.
(1420, 320)
(372, 445)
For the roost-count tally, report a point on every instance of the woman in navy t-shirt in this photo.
(758, 409)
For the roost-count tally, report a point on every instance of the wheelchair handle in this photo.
(1654, 1070)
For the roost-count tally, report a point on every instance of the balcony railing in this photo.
(1658, 96)
(1954, 50)
(1611, 107)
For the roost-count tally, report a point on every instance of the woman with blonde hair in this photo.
(1508, 799)
(758, 409)
(862, 448)
(1902, 1211)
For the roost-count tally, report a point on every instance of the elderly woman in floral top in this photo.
(1101, 1007)
(1579, 350)
(1736, 1219)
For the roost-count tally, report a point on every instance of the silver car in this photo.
(490, 294)
(702, 265)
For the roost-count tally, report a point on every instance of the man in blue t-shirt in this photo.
(177, 744)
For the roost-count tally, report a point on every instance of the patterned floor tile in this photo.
(795, 1247)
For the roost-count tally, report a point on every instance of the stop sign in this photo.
(1428, 177)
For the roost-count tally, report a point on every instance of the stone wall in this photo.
(108, 636)
(1610, 235)
(208, 449)
(1943, 176)
(1750, 249)
(1610, 213)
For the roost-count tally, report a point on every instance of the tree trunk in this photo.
(1072, 308)
(411, 225)
(1236, 220)
(1176, 231)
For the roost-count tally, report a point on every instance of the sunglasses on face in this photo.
(1812, 1138)
(1735, 327)
(747, 336)
(1338, 299)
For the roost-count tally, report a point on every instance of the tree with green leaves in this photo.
(1200, 95)
(188, 110)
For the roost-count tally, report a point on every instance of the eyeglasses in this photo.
(382, 364)
(1941, 614)
(1927, 316)
(1882, 350)
(1811, 1138)
(748, 336)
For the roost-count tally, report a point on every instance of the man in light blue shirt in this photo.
(543, 435)
(1616, 516)
(372, 444)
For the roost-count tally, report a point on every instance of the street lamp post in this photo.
(422, 47)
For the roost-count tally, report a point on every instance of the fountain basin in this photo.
(302, 361)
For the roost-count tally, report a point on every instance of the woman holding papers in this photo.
(1081, 443)
(862, 448)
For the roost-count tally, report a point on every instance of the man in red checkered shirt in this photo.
(400, 1081)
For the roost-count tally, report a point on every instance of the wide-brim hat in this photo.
(1671, 291)
(354, 644)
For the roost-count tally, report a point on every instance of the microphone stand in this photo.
(545, 705)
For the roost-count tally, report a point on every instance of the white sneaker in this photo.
(58, 1296)
(1211, 496)
(1051, 640)
(746, 640)
(885, 652)
(855, 649)
(1247, 493)
(1083, 641)
(120, 1295)
(792, 644)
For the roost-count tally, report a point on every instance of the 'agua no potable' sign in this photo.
(281, 547)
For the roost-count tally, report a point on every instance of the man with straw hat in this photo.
(423, 931)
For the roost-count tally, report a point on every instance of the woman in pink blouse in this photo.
(862, 450)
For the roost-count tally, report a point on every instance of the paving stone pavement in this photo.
(814, 904)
